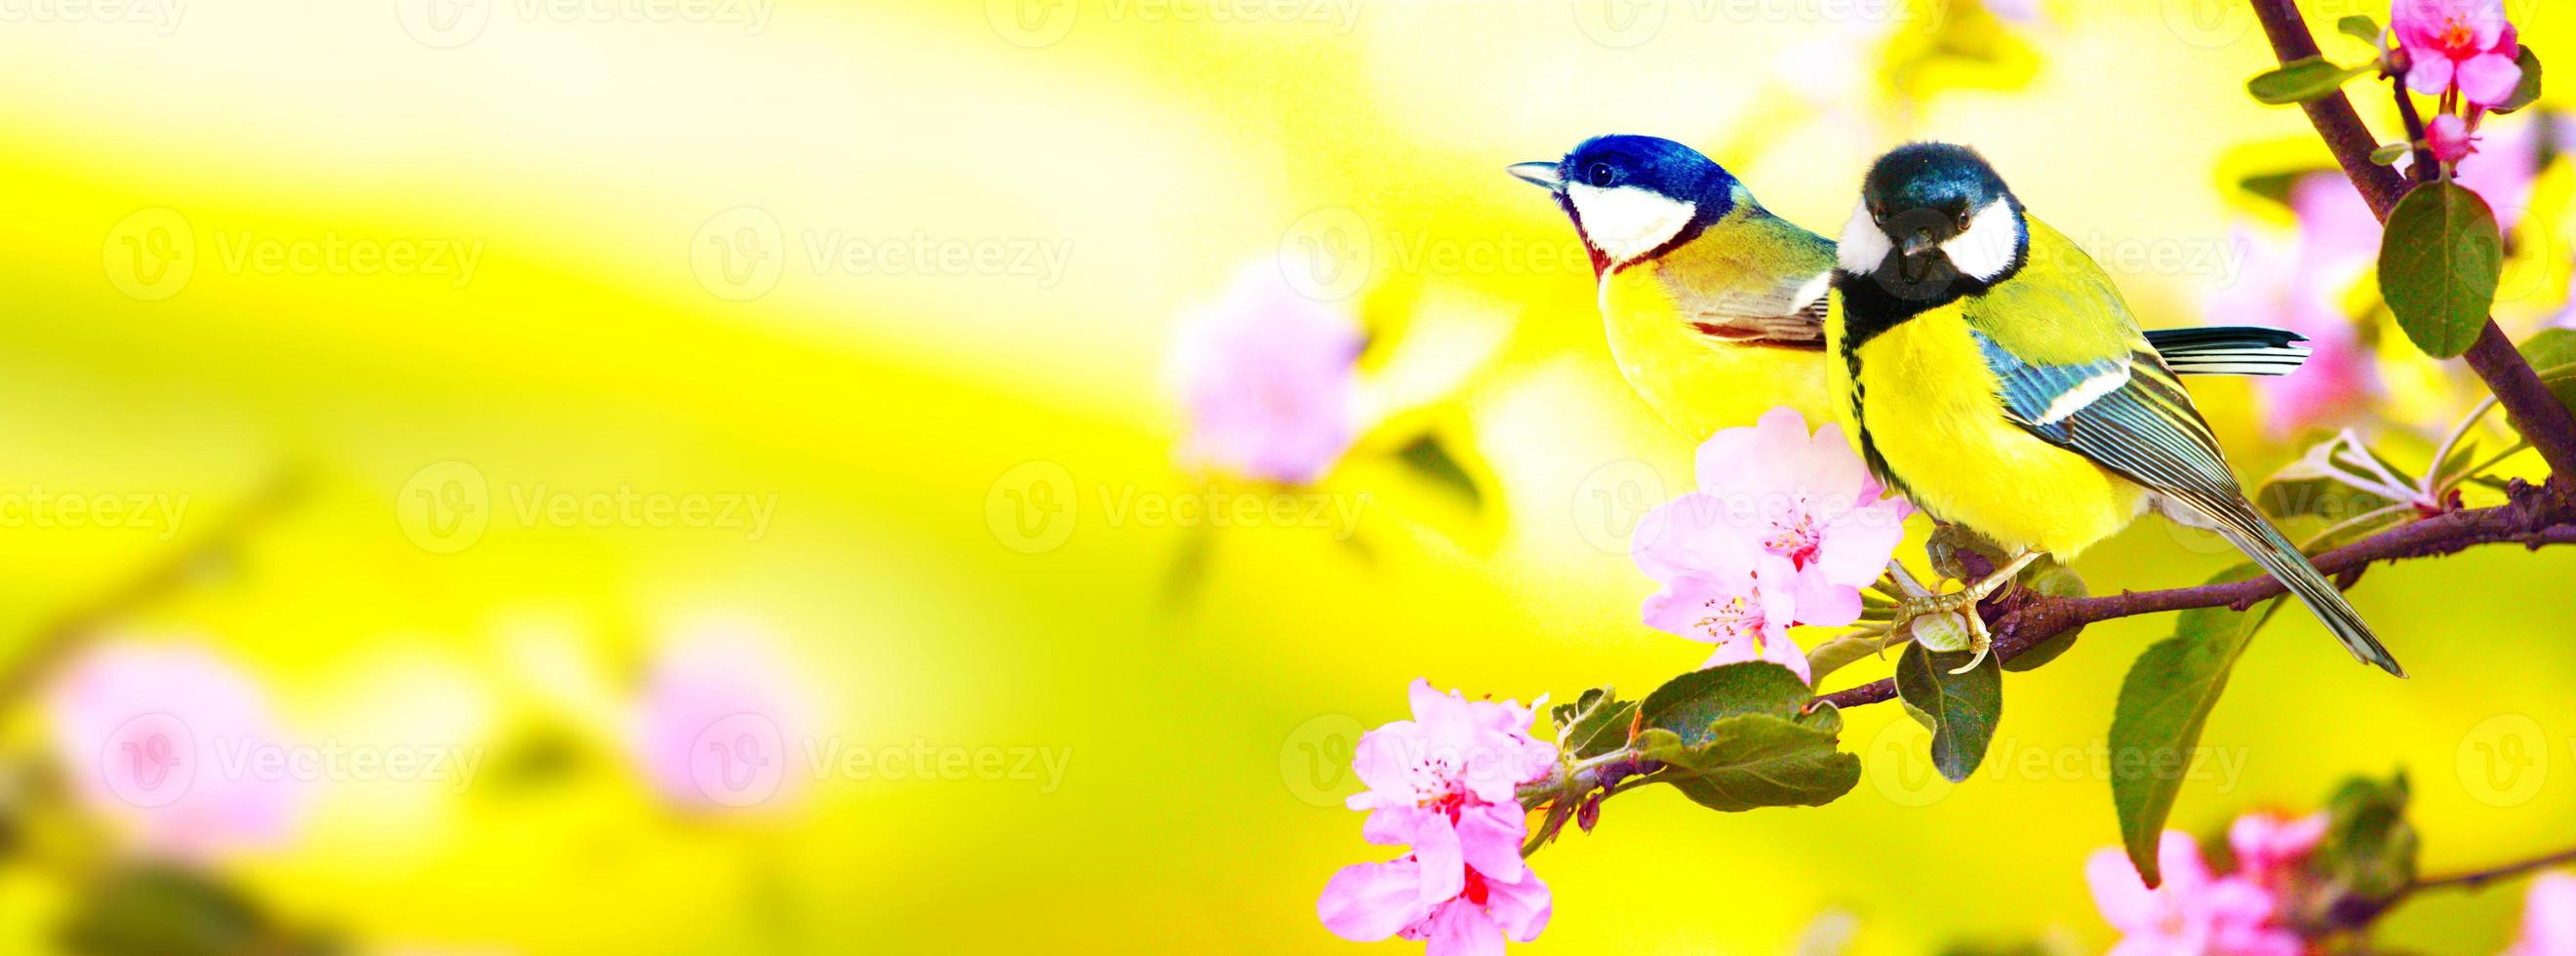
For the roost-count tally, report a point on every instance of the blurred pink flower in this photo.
(715, 723)
(1444, 782)
(1786, 527)
(2192, 914)
(2270, 848)
(2448, 136)
(2548, 917)
(2502, 168)
(1267, 375)
(167, 738)
(2302, 289)
(2463, 43)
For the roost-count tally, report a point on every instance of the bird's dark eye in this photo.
(1964, 219)
(1602, 175)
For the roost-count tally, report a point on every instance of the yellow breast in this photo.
(1697, 383)
(1929, 408)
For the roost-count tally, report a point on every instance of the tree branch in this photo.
(2547, 424)
(2473, 880)
(2532, 517)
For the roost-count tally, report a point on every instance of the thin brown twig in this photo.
(2532, 516)
(2477, 878)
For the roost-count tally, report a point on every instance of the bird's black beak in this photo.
(1543, 175)
(1920, 242)
(1914, 257)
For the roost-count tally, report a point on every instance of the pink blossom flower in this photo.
(1457, 913)
(1267, 375)
(1798, 512)
(2464, 43)
(1726, 599)
(1444, 782)
(2448, 137)
(2302, 289)
(167, 738)
(2270, 848)
(2548, 918)
(714, 724)
(2193, 914)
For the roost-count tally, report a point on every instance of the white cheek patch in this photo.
(1863, 246)
(1989, 246)
(1625, 222)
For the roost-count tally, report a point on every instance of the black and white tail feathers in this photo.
(2230, 350)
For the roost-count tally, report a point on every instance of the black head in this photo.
(1633, 196)
(1934, 222)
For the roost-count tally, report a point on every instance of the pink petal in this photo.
(1399, 826)
(1490, 839)
(1521, 906)
(1823, 604)
(1459, 928)
(1444, 865)
(2125, 901)
(1366, 902)
(2431, 74)
(2548, 917)
(2489, 79)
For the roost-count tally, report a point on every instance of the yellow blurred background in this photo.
(624, 233)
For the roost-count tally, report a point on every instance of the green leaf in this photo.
(2526, 92)
(2387, 155)
(1840, 652)
(156, 911)
(2302, 80)
(1595, 724)
(1428, 458)
(2164, 702)
(1961, 709)
(2438, 266)
(2360, 28)
(2050, 579)
(1688, 705)
(2550, 348)
(2326, 498)
(1757, 760)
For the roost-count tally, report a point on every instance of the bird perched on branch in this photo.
(1714, 305)
(1990, 372)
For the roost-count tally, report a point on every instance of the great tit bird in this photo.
(1713, 304)
(1989, 370)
